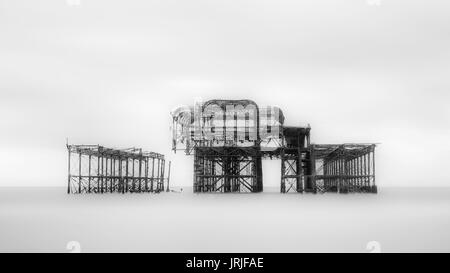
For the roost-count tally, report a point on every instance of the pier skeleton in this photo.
(230, 138)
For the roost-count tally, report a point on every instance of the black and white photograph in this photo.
(224, 126)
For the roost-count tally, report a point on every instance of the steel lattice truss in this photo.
(96, 169)
(227, 170)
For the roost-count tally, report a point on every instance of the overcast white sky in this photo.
(109, 72)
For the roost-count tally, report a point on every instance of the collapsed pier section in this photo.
(97, 169)
(344, 168)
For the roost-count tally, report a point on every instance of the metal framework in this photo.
(345, 168)
(229, 138)
(226, 138)
(296, 160)
(96, 169)
(227, 169)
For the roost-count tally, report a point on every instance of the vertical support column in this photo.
(79, 173)
(158, 175)
(339, 162)
(363, 178)
(334, 166)
(98, 173)
(332, 175)
(133, 181)
(208, 179)
(313, 169)
(224, 118)
(68, 170)
(111, 175)
(325, 174)
(338, 173)
(283, 169)
(369, 169)
(116, 174)
(168, 178)
(196, 163)
(364, 168)
(100, 178)
(104, 174)
(343, 180)
(358, 170)
(329, 175)
(121, 182)
(163, 167)
(213, 171)
(259, 173)
(146, 174)
(354, 169)
(297, 162)
(89, 174)
(107, 177)
(374, 185)
(227, 166)
(369, 177)
(355, 172)
(126, 173)
(302, 183)
(153, 174)
(347, 171)
(140, 174)
(349, 174)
